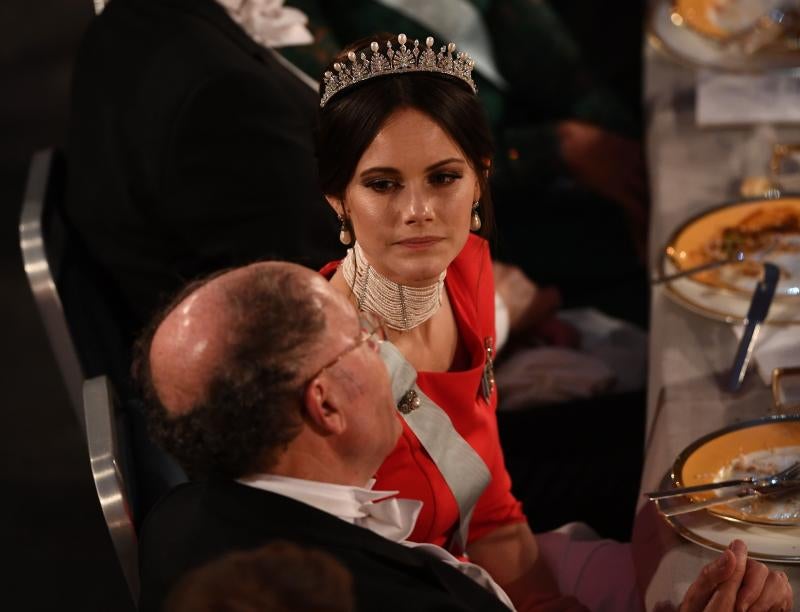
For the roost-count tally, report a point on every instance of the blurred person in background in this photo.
(279, 577)
(191, 145)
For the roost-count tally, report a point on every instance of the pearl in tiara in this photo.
(360, 68)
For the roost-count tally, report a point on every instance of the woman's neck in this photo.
(402, 307)
(431, 345)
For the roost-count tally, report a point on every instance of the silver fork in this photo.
(791, 473)
(736, 258)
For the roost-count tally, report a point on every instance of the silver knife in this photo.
(739, 496)
(759, 308)
(756, 484)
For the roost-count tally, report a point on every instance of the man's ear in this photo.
(322, 408)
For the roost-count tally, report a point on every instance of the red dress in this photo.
(409, 469)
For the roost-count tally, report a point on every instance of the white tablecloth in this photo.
(691, 169)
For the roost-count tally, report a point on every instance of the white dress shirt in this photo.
(378, 511)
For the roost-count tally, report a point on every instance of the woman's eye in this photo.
(445, 178)
(382, 185)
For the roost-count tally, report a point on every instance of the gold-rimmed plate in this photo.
(756, 448)
(766, 230)
(764, 542)
(683, 31)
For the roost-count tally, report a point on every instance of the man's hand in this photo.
(532, 309)
(734, 582)
(528, 305)
(611, 166)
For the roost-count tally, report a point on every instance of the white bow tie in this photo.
(378, 511)
(391, 518)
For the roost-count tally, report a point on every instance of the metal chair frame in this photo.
(42, 279)
(93, 401)
(101, 412)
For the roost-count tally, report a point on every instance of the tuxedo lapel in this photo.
(211, 12)
(276, 516)
(217, 16)
(201, 521)
(272, 514)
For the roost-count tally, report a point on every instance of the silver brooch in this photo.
(409, 402)
(487, 380)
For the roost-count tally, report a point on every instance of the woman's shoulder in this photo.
(473, 262)
(329, 269)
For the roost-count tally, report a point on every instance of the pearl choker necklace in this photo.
(400, 306)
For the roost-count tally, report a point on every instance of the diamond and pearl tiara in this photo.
(360, 68)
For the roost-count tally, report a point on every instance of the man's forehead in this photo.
(195, 335)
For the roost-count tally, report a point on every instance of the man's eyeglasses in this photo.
(371, 331)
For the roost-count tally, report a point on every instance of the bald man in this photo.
(269, 389)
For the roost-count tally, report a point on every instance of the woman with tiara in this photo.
(404, 156)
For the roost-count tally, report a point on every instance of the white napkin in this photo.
(725, 98)
(612, 357)
(777, 346)
(548, 375)
(620, 345)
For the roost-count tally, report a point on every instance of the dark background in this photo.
(58, 555)
(57, 550)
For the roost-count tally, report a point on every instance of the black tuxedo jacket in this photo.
(198, 522)
(190, 149)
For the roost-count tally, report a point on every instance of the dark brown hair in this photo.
(352, 118)
(251, 406)
(279, 577)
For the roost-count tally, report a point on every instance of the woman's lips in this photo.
(420, 242)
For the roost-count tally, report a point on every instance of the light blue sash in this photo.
(463, 469)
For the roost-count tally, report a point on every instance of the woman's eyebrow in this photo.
(444, 162)
(390, 170)
(379, 170)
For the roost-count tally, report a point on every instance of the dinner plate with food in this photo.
(728, 246)
(766, 518)
(737, 35)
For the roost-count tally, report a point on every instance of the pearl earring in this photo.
(475, 222)
(345, 235)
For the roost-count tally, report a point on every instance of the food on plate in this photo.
(759, 464)
(772, 230)
(723, 18)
